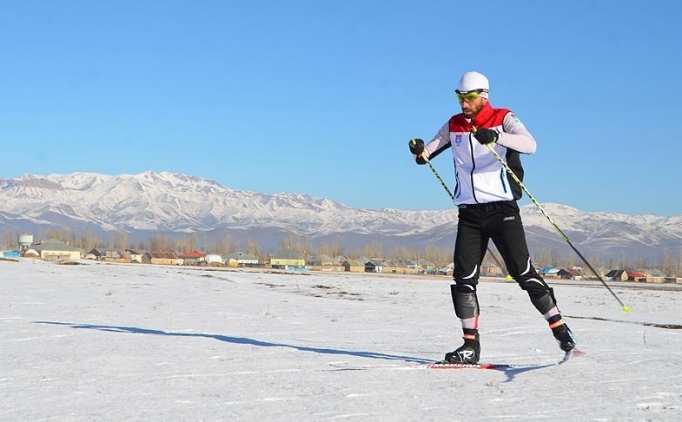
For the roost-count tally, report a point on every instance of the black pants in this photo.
(501, 223)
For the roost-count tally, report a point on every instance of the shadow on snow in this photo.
(238, 340)
(509, 370)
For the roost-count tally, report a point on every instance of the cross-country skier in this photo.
(486, 197)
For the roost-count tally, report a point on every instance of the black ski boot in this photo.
(469, 352)
(562, 333)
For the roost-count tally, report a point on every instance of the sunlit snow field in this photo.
(114, 342)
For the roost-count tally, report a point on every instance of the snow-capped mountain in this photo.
(164, 202)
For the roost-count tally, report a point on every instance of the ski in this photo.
(569, 354)
(345, 366)
(447, 365)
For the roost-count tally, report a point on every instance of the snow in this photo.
(112, 342)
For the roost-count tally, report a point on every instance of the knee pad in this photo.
(542, 303)
(541, 295)
(465, 300)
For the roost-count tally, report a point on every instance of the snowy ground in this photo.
(105, 342)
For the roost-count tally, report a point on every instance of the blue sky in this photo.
(321, 96)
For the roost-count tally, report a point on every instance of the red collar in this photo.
(483, 116)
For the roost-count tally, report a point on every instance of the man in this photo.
(486, 197)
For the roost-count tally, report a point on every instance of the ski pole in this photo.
(440, 179)
(625, 308)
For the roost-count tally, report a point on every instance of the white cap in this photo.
(472, 81)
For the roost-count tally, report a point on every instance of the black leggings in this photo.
(501, 223)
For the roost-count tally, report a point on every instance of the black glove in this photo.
(486, 136)
(416, 146)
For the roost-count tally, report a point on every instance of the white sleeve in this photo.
(440, 141)
(515, 135)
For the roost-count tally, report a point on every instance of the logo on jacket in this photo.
(458, 139)
(510, 218)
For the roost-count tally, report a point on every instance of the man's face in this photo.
(471, 102)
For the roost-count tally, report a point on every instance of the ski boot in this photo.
(562, 333)
(469, 352)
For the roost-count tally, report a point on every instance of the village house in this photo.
(374, 265)
(636, 276)
(352, 265)
(135, 255)
(320, 261)
(161, 258)
(95, 253)
(192, 257)
(10, 254)
(285, 263)
(241, 259)
(626, 275)
(396, 266)
(54, 250)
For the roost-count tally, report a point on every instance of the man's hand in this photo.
(416, 146)
(486, 136)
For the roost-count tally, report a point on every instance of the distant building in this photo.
(161, 258)
(135, 256)
(25, 242)
(97, 253)
(242, 259)
(31, 253)
(192, 257)
(283, 263)
(569, 274)
(55, 249)
(626, 275)
(105, 255)
(321, 261)
(617, 275)
(214, 260)
(636, 276)
(10, 254)
(352, 265)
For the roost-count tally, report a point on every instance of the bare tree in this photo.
(226, 246)
(188, 242)
(302, 247)
(544, 257)
(323, 249)
(641, 262)
(158, 242)
(118, 240)
(252, 247)
(398, 252)
(624, 262)
(668, 264)
(63, 234)
(439, 256)
(192, 241)
(88, 241)
(373, 250)
(287, 246)
(8, 239)
(335, 249)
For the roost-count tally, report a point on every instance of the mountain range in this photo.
(174, 204)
